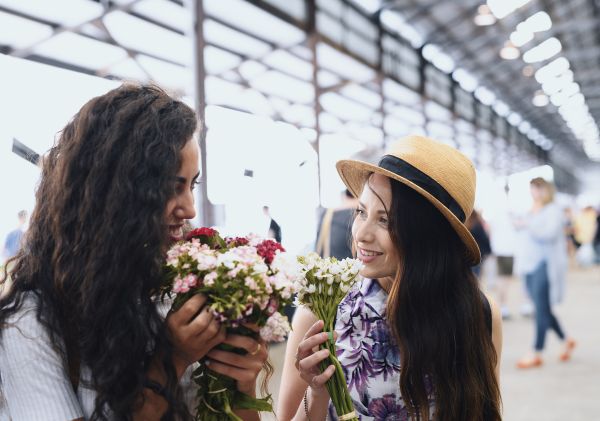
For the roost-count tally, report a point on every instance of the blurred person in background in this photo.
(542, 260)
(81, 335)
(476, 228)
(14, 239)
(502, 241)
(274, 228)
(597, 237)
(572, 244)
(585, 230)
(334, 234)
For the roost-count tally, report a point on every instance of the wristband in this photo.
(306, 404)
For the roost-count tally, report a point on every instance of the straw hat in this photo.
(440, 173)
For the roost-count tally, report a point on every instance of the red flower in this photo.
(201, 232)
(236, 241)
(267, 250)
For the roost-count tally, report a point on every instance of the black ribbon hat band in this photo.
(405, 170)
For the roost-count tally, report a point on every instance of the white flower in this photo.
(260, 268)
(209, 278)
(227, 259)
(335, 269)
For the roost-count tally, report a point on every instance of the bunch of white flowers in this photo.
(325, 283)
(325, 280)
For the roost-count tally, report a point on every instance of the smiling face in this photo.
(370, 231)
(180, 206)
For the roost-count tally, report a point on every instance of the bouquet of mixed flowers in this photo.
(325, 283)
(246, 280)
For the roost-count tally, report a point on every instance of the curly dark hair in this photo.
(94, 252)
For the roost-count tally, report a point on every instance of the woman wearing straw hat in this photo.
(417, 339)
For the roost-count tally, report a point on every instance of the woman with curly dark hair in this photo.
(80, 333)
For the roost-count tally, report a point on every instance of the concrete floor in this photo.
(556, 391)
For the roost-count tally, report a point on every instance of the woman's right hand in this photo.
(307, 360)
(194, 332)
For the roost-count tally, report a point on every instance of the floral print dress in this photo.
(369, 356)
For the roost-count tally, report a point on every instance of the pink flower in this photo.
(180, 286)
(251, 283)
(191, 280)
(276, 328)
(272, 306)
(209, 279)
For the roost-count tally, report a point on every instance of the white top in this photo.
(502, 232)
(543, 239)
(34, 382)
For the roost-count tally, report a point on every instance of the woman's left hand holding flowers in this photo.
(244, 369)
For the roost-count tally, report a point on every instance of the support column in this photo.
(313, 39)
(206, 209)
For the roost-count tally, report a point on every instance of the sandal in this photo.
(529, 362)
(569, 347)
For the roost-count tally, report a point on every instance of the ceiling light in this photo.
(501, 108)
(572, 112)
(525, 30)
(396, 23)
(533, 134)
(547, 144)
(520, 38)
(552, 69)
(514, 119)
(560, 97)
(551, 86)
(484, 95)
(528, 70)
(537, 22)
(502, 8)
(576, 100)
(439, 59)
(540, 99)
(484, 16)
(466, 81)
(571, 89)
(509, 51)
(524, 127)
(543, 51)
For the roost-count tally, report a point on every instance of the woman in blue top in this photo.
(417, 339)
(542, 261)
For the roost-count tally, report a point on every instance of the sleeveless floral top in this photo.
(370, 357)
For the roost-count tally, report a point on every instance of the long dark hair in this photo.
(436, 313)
(95, 247)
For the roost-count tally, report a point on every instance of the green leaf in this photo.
(243, 401)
